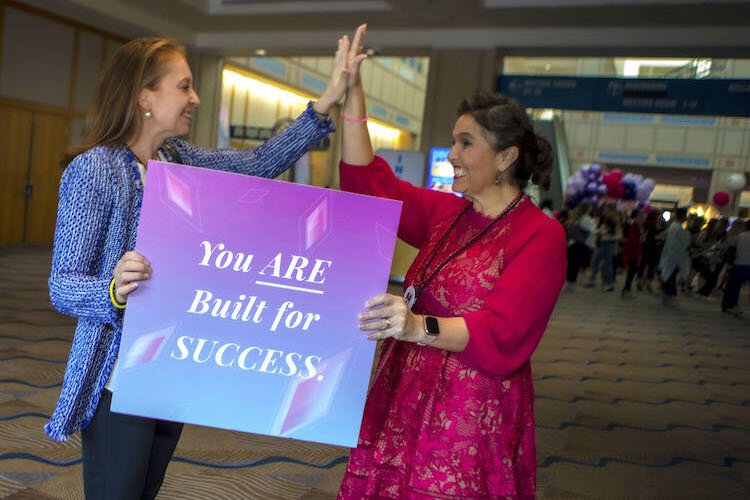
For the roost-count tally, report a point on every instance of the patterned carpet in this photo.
(633, 401)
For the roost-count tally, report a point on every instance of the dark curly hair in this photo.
(505, 123)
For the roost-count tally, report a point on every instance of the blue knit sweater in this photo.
(97, 222)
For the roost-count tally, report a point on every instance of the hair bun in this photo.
(543, 162)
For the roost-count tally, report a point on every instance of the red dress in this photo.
(439, 424)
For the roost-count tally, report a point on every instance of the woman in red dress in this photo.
(450, 413)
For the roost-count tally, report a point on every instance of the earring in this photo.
(499, 177)
(147, 114)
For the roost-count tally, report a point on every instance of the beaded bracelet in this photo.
(349, 119)
(112, 296)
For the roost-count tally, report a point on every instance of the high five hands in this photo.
(347, 61)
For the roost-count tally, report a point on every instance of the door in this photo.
(48, 146)
(31, 147)
(15, 151)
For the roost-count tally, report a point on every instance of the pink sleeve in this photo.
(422, 207)
(505, 332)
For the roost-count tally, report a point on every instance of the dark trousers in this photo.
(669, 287)
(632, 270)
(711, 278)
(578, 256)
(125, 457)
(738, 276)
(649, 262)
(708, 272)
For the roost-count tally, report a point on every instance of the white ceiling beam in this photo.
(486, 38)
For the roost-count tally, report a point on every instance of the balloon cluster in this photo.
(585, 185)
(734, 182)
(591, 184)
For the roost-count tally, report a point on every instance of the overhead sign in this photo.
(635, 95)
(249, 321)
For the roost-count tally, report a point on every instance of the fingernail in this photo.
(147, 275)
(135, 284)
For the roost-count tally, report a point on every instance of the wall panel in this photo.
(36, 68)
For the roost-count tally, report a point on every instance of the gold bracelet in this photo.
(112, 296)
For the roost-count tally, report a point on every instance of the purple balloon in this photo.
(591, 187)
(601, 189)
(643, 192)
(596, 168)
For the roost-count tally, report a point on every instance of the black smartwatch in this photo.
(432, 329)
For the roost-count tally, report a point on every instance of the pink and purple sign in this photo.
(249, 321)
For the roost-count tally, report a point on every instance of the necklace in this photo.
(414, 290)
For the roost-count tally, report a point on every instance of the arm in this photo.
(271, 158)
(501, 336)
(362, 172)
(505, 332)
(356, 148)
(280, 152)
(77, 284)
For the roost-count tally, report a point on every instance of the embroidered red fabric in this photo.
(439, 424)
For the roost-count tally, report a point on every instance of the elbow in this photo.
(501, 366)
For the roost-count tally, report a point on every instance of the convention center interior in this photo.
(587, 325)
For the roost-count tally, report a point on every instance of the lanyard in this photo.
(414, 290)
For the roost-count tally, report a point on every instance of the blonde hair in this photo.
(115, 115)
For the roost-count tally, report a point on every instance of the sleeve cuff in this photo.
(324, 124)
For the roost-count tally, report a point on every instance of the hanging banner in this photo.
(715, 97)
(249, 321)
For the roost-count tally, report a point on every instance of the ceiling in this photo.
(719, 28)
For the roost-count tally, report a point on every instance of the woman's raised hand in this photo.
(130, 269)
(387, 315)
(349, 57)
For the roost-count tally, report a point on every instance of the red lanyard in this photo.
(414, 290)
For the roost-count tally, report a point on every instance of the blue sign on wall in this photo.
(631, 95)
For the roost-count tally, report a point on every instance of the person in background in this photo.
(450, 414)
(674, 257)
(143, 102)
(739, 273)
(705, 258)
(581, 241)
(631, 251)
(609, 234)
(651, 234)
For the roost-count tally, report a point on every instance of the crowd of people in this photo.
(689, 254)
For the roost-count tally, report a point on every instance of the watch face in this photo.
(431, 325)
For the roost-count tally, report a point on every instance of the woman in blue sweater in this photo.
(144, 101)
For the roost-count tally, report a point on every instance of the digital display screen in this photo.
(440, 171)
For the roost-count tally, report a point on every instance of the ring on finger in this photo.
(387, 322)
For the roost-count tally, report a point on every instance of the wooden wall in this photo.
(48, 69)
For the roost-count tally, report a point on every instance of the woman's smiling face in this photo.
(473, 158)
(172, 103)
